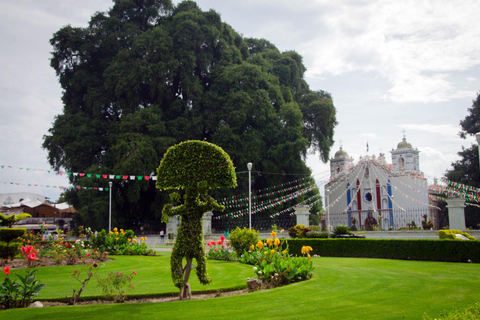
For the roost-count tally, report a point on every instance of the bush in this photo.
(275, 266)
(450, 234)
(298, 231)
(9, 234)
(220, 250)
(120, 242)
(340, 230)
(316, 234)
(9, 251)
(411, 249)
(242, 239)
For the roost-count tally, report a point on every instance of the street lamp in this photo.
(327, 191)
(249, 166)
(477, 135)
(110, 183)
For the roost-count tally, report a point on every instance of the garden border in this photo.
(404, 249)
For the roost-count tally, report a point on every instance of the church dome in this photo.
(404, 144)
(341, 154)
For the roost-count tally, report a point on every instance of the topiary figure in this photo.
(195, 167)
(10, 220)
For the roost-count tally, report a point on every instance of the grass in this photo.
(343, 288)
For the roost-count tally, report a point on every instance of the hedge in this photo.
(9, 234)
(407, 249)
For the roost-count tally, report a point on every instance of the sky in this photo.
(392, 67)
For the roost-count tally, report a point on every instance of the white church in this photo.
(375, 195)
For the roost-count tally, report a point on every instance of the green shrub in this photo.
(298, 231)
(450, 234)
(316, 234)
(471, 312)
(407, 249)
(316, 228)
(242, 239)
(9, 251)
(9, 234)
(340, 230)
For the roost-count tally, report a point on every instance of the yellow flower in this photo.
(116, 238)
(272, 251)
(129, 240)
(259, 244)
(116, 233)
(273, 234)
(121, 230)
(306, 249)
(269, 241)
(111, 232)
(252, 247)
(134, 240)
(115, 229)
(284, 251)
(276, 242)
(265, 253)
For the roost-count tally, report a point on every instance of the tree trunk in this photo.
(185, 292)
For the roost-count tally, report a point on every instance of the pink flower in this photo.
(88, 254)
(6, 270)
(32, 257)
(134, 272)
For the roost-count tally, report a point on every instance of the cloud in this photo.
(415, 46)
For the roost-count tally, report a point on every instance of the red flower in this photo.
(134, 272)
(219, 242)
(222, 238)
(32, 257)
(95, 265)
(6, 270)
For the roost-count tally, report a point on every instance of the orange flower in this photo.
(269, 241)
(276, 242)
(259, 244)
(273, 234)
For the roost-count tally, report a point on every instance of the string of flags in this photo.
(266, 205)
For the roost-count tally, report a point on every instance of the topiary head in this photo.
(196, 163)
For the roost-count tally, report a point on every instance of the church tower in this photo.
(340, 164)
(405, 158)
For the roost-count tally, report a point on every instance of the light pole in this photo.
(327, 191)
(110, 183)
(477, 135)
(249, 166)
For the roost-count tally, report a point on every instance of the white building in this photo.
(376, 194)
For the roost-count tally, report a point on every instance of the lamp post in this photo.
(477, 135)
(327, 191)
(249, 166)
(110, 183)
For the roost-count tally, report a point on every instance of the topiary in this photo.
(9, 234)
(242, 239)
(10, 220)
(196, 167)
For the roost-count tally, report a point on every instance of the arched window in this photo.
(401, 163)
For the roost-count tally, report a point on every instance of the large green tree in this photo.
(466, 169)
(146, 75)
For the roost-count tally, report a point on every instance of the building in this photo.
(374, 194)
(51, 215)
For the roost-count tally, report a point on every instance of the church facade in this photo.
(375, 195)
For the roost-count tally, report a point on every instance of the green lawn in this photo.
(343, 288)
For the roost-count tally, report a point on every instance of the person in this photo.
(162, 235)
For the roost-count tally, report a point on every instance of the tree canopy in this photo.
(146, 75)
(466, 169)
